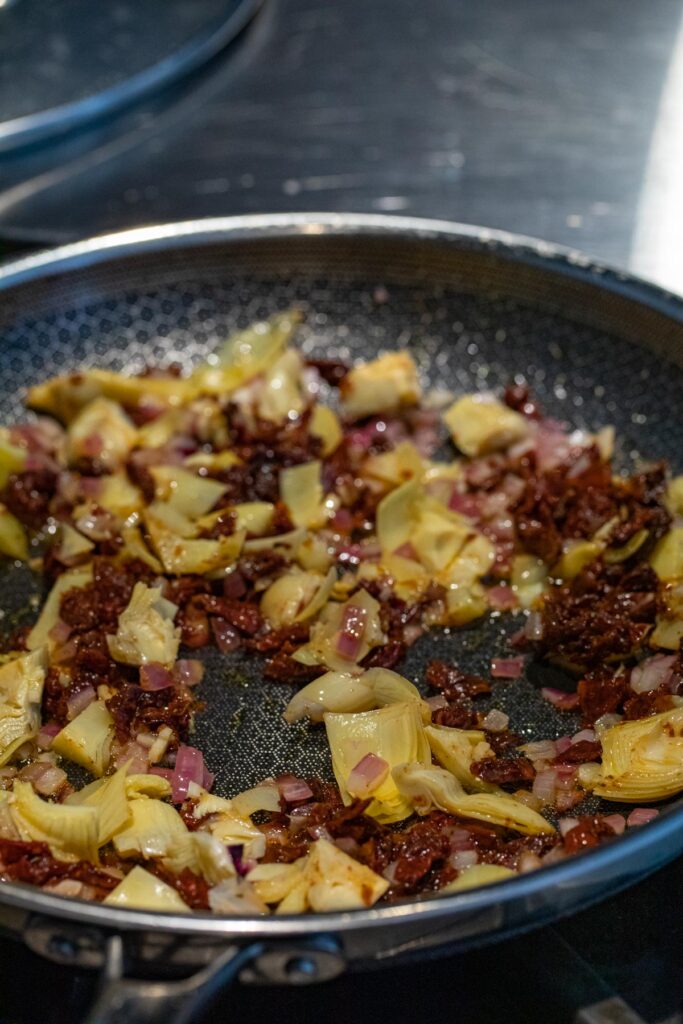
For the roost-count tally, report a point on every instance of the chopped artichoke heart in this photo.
(439, 537)
(86, 740)
(64, 397)
(642, 760)
(454, 751)
(396, 514)
(280, 396)
(203, 854)
(154, 830)
(410, 579)
(254, 517)
(338, 692)
(110, 799)
(71, 832)
(248, 353)
(478, 874)
(324, 424)
(383, 385)
(427, 788)
(465, 604)
(49, 615)
(100, 431)
(273, 882)
(182, 555)
(667, 557)
(145, 630)
(147, 785)
(235, 830)
(674, 496)
(13, 538)
(322, 646)
(393, 733)
(72, 545)
(190, 495)
(21, 690)
(296, 597)
(265, 797)
(575, 555)
(134, 547)
(480, 424)
(391, 688)
(620, 554)
(528, 579)
(12, 460)
(288, 542)
(141, 890)
(338, 882)
(396, 466)
(119, 496)
(301, 490)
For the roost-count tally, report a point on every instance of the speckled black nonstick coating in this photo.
(472, 319)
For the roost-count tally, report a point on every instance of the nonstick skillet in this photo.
(475, 308)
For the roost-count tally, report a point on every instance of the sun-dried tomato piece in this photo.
(452, 682)
(600, 692)
(590, 831)
(504, 771)
(580, 753)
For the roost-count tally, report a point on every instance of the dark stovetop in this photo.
(554, 119)
(629, 948)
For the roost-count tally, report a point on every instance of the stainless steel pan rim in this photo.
(661, 837)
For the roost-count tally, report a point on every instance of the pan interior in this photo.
(471, 319)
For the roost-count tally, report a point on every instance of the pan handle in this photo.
(124, 1000)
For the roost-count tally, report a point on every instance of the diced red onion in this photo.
(554, 856)
(154, 676)
(134, 753)
(641, 816)
(565, 775)
(79, 701)
(189, 767)
(460, 839)
(412, 632)
(502, 598)
(437, 702)
(188, 671)
(507, 668)
(342, 520)
(565, 799)
(529, 862)
(500, 528)
(350, 636)
(227, 637)
(98, 524)
(46, 778)
(463, 859)
(544, 785)
(562, 744)
(513, 487)
(652, 673)
(496, 721)
(533, 629)
(91, 487)
(61, 655)
(294, 790)
(60, 632)
(585, 735)
(560, 699)
(617, 822)
(607, 721)
(566, 825)
(367, 775)
(47, 733)
(466, 504)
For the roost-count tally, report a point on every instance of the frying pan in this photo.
(475, 308)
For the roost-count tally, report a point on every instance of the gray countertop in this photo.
(554, 119)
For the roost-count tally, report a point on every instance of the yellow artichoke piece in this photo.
(465, 604)
(13, 539)
(393, 733)
(620, 554)
(213, 461)
(254, 517)
(233, 829)
(145, 630)
(70, 832)
(87, 739)
(203, 854)
(21, 690)
(140, 890)
(391, 688)
(338, 882)
(324, 424)
(109, 798)
(119, 496)
(12, 460)
(301, 490)
(147, 785)
(279, 397)
(642, 760)
(101, 430)
(427, 788)
(64, 397)
(246, 354)
(576, 554)
(71, 544)
(529, 579)
(410, 579)
(155, 829)
(477, 875)
(287, 542)
(396, 514)
(394, 467)
(296, 597)
(339, 692)
(480, 424)
(383, 385)
(190, 495)
(134, 547)
(674, 496)
(49, 615)
(265, 797)
(667, 557)
(181, 556)
(322, 646)
(274, 882)
(454, 749)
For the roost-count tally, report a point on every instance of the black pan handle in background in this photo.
(123, 1000)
